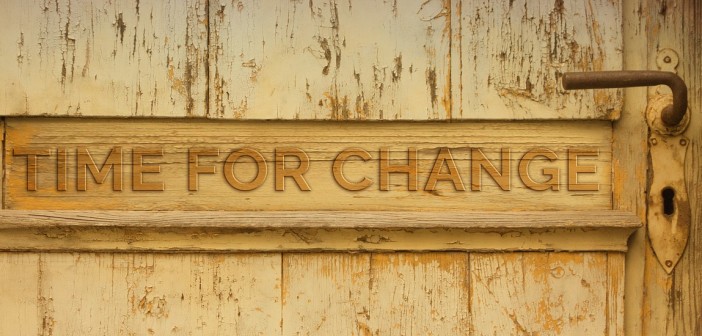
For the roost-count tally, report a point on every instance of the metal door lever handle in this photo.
(671, 115)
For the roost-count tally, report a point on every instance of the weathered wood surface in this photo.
(100, 58)
(321, 59)
(313, 231)
(20, 301)
(322, 142)
(671, 304)
(630, 163)
(474, 220)
(511, 54)
(309, 294)
(556, 294)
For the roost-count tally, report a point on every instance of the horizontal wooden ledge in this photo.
(317, 219)
(225, 231)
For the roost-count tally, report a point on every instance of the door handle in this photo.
(671, 115)
(668, 212)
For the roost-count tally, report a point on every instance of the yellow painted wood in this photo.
(616, 289)
(125, 294)
(508, 56)
(104, 58)
(543, 293)
(20, 274)
(326, 294)
(322, 142)
(383, 294)
(420, 294)
(320, 59)
(375, 294)
(182, 231)
(630, 164)
(671, 305)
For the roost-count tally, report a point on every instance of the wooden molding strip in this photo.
(226, 231)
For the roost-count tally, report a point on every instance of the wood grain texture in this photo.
(130, 294)
(308, 240)
(291, 294)
(375, 294)
(510, 55)
(630, 163)
(20, 274)
(326, 294)
(99, 58)
(182, 231)
(321, 59)
(322, 141)
(328, 59)
(420, 294)
(616, 289)
(672, 305)
(554, 293)
(474, 220)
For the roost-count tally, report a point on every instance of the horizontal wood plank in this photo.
(313, 231)
(469, 147)
(16, 219)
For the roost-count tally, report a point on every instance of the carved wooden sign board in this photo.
(199, 165)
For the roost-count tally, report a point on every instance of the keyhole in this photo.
(668, 194)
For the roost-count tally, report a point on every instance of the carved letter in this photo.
(85, 162)
(139, 169)
(436, 175)
(552, 173)
(261, 171)
(338, 166)
(194, 168)
(479, 160)
(32, 164)
(296, 173)
(574, 170)
(410, 169)
(61, 173)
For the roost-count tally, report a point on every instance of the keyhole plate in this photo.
(668, 206)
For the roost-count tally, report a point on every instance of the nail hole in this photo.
(668, 194)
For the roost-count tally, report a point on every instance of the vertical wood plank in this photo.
(672, 305)
(539, 293)
(330, 59)
(160, 294)
(326, 294)
(511, 53)
(83, 294)
(420, 294)
(615, 293)
(688, 275)
(629, 153)
(92, 58)
(673, 301)
(19, 294)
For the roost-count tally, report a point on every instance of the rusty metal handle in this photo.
(671, 115)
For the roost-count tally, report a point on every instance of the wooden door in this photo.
(350, 167)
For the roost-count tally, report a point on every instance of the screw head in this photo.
(654, 141)
(669, 263)
(683, 142)
(667, 59)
